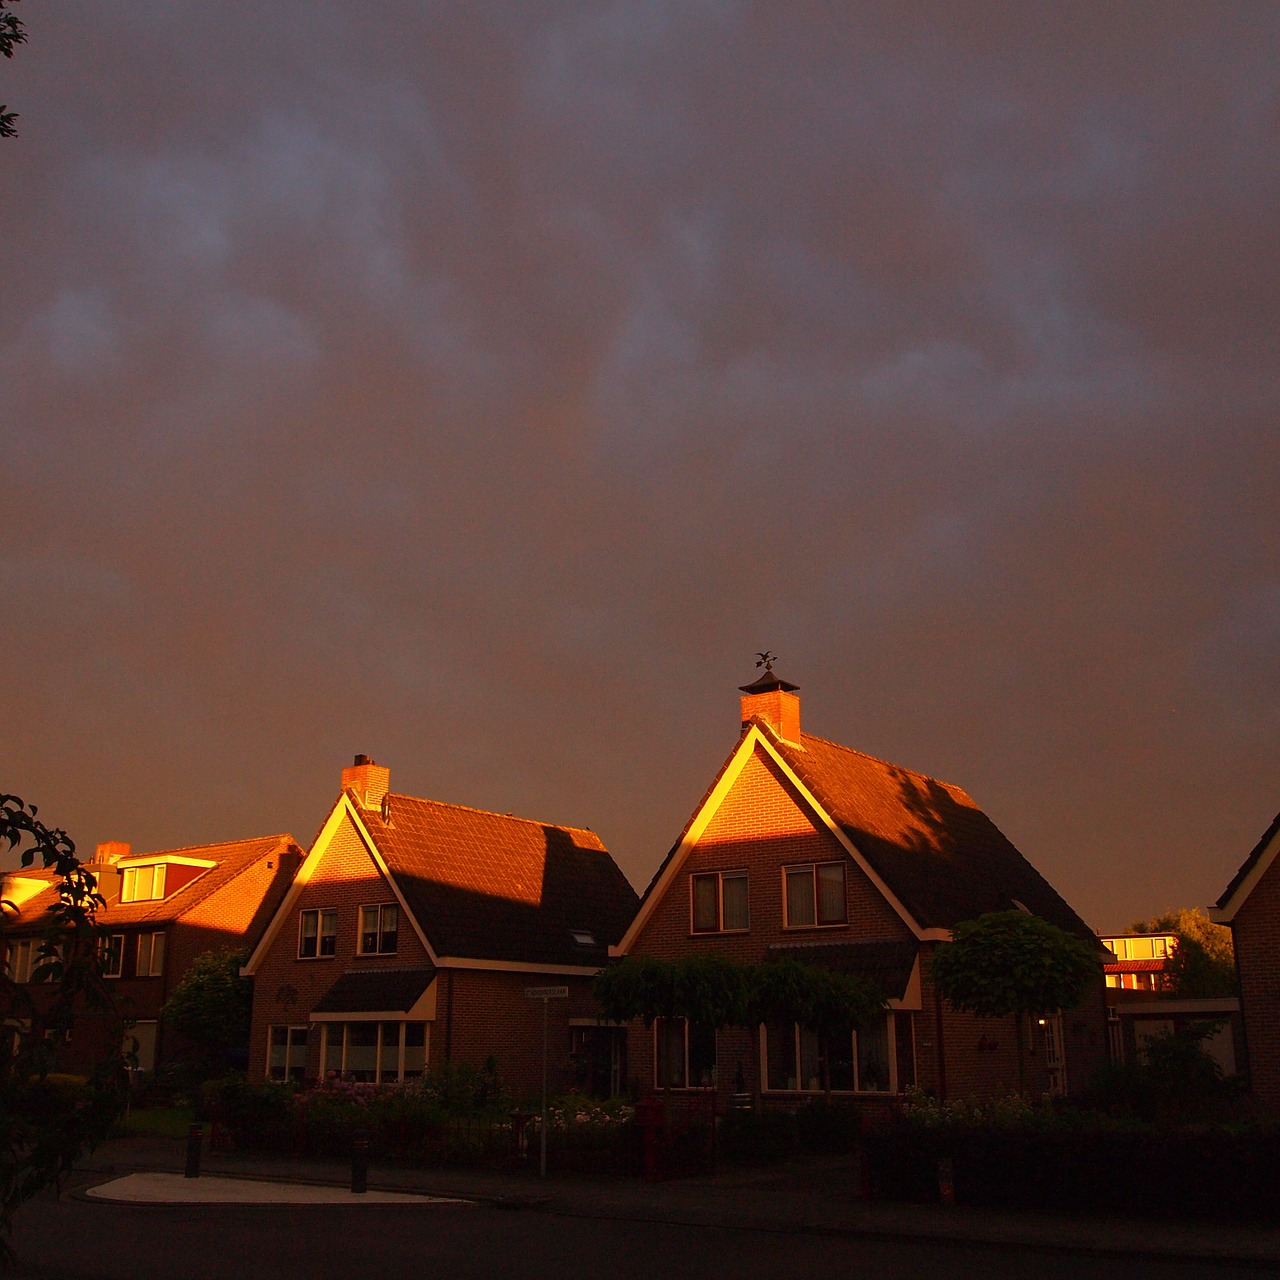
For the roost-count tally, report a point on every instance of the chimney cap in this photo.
(768, 682)
(362, 759)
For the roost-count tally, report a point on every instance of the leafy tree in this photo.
(1009, 962)
(44, 1130)
(213, 1004)
(1203, 964)
(12, 34)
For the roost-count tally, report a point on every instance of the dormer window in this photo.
(143, 884)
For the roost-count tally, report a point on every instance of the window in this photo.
(684, 1055)
(318, 933)
(375, 1051)
(111, 954)
(815, 894)
(21, 954)
(861, 1061)
(287, 1053)
(719, 902)
(142, 883)
(150, 955)
(378, 929)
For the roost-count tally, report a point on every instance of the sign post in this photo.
(546, 995)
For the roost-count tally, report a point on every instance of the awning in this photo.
(362, 995)
(886, 965)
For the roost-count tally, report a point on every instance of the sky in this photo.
(481, 386)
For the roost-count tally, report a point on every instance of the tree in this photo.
(12, 34)
(44, 1130)
(212, 1005)
(1010, 962)
(1203, 963)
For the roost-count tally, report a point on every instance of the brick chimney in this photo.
(104, 868)
(109, 852)
(368, 781)
(774, 701)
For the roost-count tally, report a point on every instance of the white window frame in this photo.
(812, 869)
(290, 1049)
(111, 946)
(891, 1049)
(378, 950)
(321, 914)
(22, 958)
(657, 1059)
(147, 946)
(129, 883)
(738, 873)
(335, 1040)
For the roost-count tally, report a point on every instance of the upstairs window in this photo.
(379, 929)
(111, 954)
(20, 957)
(150, 955)
(720, 902)
(142, 884)
(318, 933)
(815, 894)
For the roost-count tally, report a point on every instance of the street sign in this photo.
(547, 993)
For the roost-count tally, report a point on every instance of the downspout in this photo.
(942, 1052)
(448, 1022)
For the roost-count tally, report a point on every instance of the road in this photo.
(71, 1238)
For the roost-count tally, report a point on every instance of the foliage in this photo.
(759, 1137)
(12, 34)
(1174, 1080)
(1203, 964)
(715, 992)
(1009, 962)
(44, 1126)
(212, 1005)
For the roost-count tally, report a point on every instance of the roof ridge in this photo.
(866, 755)
(493, 813)
(216, 844)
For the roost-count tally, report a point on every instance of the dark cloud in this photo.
(481, 386)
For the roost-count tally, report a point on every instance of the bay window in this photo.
(383, 1052)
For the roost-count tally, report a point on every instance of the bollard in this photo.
(360, 1163)
(194, 1134)
(946, 1181)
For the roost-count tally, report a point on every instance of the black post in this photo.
(194, 1134)
(360, 1162)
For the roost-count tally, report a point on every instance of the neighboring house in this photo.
(414, 930)
(808, 849)
(1251, 906)
(1140, 1005)
(1139, 959)
(162, 910)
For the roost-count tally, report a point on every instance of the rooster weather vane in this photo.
(766, 660)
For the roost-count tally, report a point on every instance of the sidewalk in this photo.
(814, 1197)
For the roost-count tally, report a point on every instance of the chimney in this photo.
(104, 868)
(368, 781)
(774, 701)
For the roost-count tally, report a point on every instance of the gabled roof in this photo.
(936, 855)
(230, 859)
(494, 887)
(1251, 871)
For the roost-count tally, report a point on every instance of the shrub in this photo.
(763, 1137)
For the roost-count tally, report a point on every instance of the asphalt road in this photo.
(69, 1237)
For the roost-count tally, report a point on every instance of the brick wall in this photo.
(1257, 938)
(286, 988)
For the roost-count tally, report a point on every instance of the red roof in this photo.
(491, 886)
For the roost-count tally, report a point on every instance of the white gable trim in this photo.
(1226, 913)
(306, 872)
(733, 770)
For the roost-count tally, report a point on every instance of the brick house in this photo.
(411, 933)
(804, 848)
(1251, 906)
(162, 910)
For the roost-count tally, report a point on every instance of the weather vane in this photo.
(766, 660)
